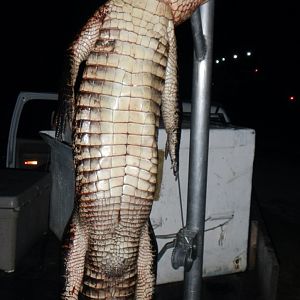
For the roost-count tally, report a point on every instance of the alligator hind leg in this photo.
(74, 250)
(146, 264)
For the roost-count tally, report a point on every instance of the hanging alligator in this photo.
(128, 48)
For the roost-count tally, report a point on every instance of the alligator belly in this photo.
(115, 153)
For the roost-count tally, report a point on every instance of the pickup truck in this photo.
(25, 183)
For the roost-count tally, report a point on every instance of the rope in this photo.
(180, 200)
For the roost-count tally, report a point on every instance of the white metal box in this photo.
(229, 183)
(24, 202)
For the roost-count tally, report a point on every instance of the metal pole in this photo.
(199, 139)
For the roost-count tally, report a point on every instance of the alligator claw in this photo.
(174, 159)
(65, 112)
(175, 170)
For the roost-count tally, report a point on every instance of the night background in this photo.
(255, 90)
(259, 91)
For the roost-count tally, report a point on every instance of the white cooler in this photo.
(229, 184)
(24, 207)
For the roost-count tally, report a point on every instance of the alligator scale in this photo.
(129, 77)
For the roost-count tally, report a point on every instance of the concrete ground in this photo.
(276, 191)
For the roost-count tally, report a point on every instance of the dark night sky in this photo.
(34, 42)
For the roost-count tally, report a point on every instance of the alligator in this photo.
(129, 78)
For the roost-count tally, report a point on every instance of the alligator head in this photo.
(183, 9)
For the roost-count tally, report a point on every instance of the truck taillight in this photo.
(31, 162)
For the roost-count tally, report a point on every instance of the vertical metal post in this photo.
(199, 146)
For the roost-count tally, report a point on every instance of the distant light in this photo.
(256, 70)
(235, 56)
(249, 53)
(217, 61)
(292, 98)
(31, 162)
(223, 58)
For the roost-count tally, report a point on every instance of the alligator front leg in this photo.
(170, 107)
(76, 54)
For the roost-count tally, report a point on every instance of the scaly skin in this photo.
(130, 76)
